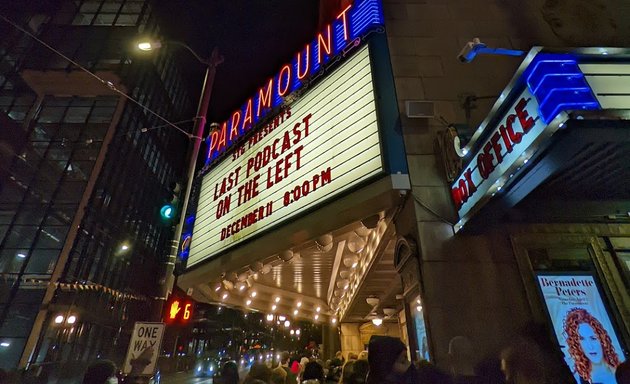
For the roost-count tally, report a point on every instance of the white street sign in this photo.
(144, 349)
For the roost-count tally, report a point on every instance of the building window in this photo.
(110, 12)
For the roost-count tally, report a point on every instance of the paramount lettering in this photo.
(288, 79)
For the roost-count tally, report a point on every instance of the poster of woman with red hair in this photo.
(582, 327)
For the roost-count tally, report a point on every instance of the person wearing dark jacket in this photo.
(387, 357)
(229, 373)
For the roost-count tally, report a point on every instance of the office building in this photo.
(84, 172)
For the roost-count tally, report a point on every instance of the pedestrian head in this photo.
(313, 371)
(278, 376)
(523, 362)
(101, 372)
(387, 357)
(355, 372)
(284, 357)
(259, 371)
(295, 367)
(462, 356)
(622, 373)
(229, 373)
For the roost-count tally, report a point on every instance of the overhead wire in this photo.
(107, 83)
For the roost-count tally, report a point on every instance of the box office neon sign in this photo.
(350, 25)
(512, 136)
(552, 83)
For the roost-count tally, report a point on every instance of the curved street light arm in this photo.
(215, 58)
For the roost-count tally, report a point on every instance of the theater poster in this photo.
(582, 326)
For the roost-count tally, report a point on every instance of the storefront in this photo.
(296, 205)
(550, 168)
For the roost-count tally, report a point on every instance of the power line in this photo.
(107, 83)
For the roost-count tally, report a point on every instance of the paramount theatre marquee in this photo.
(312, 133)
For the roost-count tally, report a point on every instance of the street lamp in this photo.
(200, 122)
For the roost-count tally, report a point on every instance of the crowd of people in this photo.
(530, 359)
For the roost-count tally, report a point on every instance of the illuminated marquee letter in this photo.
(344, 21)
(247, 119)
(236, 118)
(323, 43)
(264, 99)
(222, 144)
(286, 69)
(212, 146)
(307, 56)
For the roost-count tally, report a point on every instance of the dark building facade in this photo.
(83, 173)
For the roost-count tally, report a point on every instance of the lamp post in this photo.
(167, 280)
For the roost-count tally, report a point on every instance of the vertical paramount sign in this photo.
(320, 146)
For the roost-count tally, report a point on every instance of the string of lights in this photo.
(107, 83)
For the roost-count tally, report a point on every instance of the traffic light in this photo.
(170, 210)
(178, 310)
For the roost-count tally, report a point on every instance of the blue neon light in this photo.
(559, 85)
(363, 17)
(186, 236)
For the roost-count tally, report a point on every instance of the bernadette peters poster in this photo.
(582, 326)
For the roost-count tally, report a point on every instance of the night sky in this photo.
(256, 37)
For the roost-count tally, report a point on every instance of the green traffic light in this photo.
(167, 212)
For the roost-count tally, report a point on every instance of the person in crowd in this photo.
(229, 373)
(352, 356)
(622, 373)
(387, 357)
(335, 367)
(488, 370)
(258, 371)
(426, 372)
(101, 372)
(523, 363)
(590, 347)
(556, 369)
(281, 371)
(363, 355)
(461, 360)
(278, 376)
(284, 370)
(313, 373)
(355, 372)
(295, 368)
(303, 362)
(346, 371)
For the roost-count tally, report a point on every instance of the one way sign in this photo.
(144, 349)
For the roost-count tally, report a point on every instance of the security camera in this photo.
(470, 50)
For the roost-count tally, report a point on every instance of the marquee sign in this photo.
(313, 150)
(343, 33)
